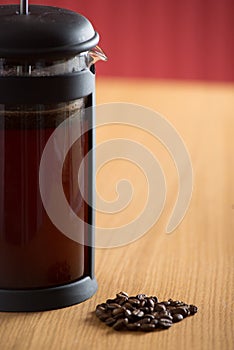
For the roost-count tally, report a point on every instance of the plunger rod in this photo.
(23, 7)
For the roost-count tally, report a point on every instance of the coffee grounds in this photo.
(142, 313)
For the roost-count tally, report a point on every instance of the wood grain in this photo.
(195, 263)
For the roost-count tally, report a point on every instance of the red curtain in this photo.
(174, 39)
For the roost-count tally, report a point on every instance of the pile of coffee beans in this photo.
(142, 313)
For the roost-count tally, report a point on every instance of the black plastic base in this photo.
(47, 298)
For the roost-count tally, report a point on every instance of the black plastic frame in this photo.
(47, 298)
(33, 90)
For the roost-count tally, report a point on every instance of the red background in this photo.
(175, 39)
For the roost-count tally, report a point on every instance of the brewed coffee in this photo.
(33, 252)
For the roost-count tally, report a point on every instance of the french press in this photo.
(47, 82)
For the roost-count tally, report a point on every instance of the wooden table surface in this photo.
(195, 263)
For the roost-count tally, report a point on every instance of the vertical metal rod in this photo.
(23, 7)
(23, 70)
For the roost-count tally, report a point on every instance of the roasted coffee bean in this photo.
(117, 311)
(111, 301)
(145, 309)
(128, 313)
(180, 310)
(102, 306)
(141, 296)
(174, 311)
(164, 323)
(129, 306)
(155, 322)
(168, 317)
(110, 321)
(138, 313)
(177, 317)
(99, 312)
(122, 294)
(193, 309)
(118, 316)
(147, 327)
(151, 316)
(163, 313)
(144, 320)
(142, 303)
(121, 301)
(156, 314)
(133, 326)
(155, 299)
(150, 303)
(160, 307)
(120, 324)
(113, 306)
(134, 301)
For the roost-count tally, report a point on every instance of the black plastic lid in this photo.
(45, 31)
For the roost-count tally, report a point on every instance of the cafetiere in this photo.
(47, 87)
